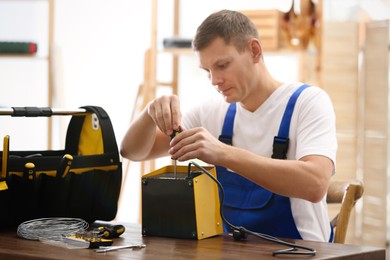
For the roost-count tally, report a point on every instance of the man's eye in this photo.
(222, 66)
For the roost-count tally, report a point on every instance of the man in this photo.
(284, 198)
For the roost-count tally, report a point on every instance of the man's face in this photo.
(229, 71)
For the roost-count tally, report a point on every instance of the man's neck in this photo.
(263, 92)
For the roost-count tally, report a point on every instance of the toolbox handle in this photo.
(75, 126)
(39, 111)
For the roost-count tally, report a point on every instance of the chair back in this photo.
(346, 193)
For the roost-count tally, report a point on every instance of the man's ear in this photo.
(256, 49)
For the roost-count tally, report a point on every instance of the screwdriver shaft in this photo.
(174, 169)
(175, 132)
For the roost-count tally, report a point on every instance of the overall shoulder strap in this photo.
(227, 129)
(281, 141)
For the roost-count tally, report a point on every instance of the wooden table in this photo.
(219, 247)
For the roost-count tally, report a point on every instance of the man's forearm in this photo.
(139, 138)
(307, 178)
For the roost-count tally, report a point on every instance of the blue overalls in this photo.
(248, 204)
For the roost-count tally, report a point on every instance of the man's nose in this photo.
(215, 79)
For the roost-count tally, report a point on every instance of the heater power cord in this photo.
(240, 233)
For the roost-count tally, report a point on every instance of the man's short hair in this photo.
(232, 26)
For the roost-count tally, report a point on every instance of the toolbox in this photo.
(82, 181)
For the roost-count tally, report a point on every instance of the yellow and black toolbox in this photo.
(81, 181)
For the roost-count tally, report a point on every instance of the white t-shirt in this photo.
(312, 131)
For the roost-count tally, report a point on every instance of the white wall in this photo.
(23, 80)
(102, 44)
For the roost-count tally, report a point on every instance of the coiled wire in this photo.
(51, 228)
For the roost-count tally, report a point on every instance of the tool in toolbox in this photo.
(4, 165)
(64, 166)
(29, 171)
(175, 133)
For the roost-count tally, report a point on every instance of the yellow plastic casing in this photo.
(180, 207)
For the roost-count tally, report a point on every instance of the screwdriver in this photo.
(29, 171)
(175, 133)
(4, 166)
(109, 231)
(64, 166)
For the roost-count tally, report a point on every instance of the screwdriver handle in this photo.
(64, 166)
(4, 166)
(29, 171)
(175, 133)
(108, 231)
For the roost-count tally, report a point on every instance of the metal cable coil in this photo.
(51, 228)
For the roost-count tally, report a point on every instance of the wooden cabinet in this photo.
(359, 92)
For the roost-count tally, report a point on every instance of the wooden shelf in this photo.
(40, 57)
(268, 26)
(177, 51)
(24, 56)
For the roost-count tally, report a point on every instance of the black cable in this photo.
(242, 233)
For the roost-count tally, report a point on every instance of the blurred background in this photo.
(111, 54)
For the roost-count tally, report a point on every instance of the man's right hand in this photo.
(165, 112)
